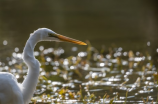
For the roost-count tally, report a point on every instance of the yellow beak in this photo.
(67, 39)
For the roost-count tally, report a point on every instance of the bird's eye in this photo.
(50, 35)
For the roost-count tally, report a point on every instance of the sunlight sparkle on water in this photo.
(125, 53)
(148, 43)
(14, 54)
(14, 61)
(72, 67)
(41, 48)
(82, 54)
(137, 53)
(10, 63)
(48, 59)
(157, 50)
(50, 50)
(6, 67)
(45, 51)
(16, 49)
(74, 58)
(101, 70)
(118, 53)
(124, 62)
(17, 76)
(5, 42)
(19, 55)
(74, 49)
(66, 62)
(138, 59)
(108, 56)
(120, 49)
(101, 64)
(36, 53)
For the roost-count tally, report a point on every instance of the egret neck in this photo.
(30, 82)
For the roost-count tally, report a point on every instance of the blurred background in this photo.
(130, 24)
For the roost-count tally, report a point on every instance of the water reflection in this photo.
(69, 79)
(5, 42)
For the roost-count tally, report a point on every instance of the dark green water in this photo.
(121, 23)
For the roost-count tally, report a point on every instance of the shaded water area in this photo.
(119, 65)
(123, 23)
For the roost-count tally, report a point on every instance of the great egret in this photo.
(13, 93)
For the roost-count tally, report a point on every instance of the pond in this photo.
(116, 66)
(90, 76)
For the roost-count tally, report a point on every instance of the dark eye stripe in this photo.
(52, 35)
(49, 35)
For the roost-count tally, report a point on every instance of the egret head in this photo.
(49, 35)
